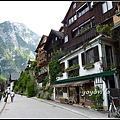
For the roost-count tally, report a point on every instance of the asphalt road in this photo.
(23, 107)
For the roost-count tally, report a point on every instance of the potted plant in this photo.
(74, 66)
(89, 65)
(63, 100)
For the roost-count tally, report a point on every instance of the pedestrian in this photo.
(7, 92)
(21, 93)
(12, 95)
(3, 94)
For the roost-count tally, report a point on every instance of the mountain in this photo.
(17, 46)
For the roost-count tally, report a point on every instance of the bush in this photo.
(98, 107)
(31, 89)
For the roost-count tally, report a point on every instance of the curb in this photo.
(2, 108)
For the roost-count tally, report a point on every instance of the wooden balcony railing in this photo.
(116, 18)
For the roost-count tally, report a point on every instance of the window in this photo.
(73, 61)
(72, 19)
(62, 66)
(91, 55)
(82, 10)
(74, 5)
(55, 38)
(91, 4)
(45, 41)
(66, 39)
(107, 6)
(109, 57)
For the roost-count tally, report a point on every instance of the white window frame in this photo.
(106, 6)
(74, 5)
(72, 19)
(90, 56)
(66, 39)
(55, 38)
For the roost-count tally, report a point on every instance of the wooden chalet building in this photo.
(54, 42)
(91, 56)
(42, 60)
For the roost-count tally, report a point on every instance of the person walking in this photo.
(12, 95)
(7, 92)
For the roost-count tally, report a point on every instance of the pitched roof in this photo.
(14, 76)
(57, 33)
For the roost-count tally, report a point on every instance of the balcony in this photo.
(116, 18)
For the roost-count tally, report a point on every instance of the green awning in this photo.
(83, 78)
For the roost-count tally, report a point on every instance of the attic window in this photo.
(74, 5)
(45, 40)
(66, 39)
(91, 4)
(55, 38)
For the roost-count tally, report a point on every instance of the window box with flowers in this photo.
(89, 65)
(73, 67)
(84, 30)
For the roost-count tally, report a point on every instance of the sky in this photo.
(38, 16)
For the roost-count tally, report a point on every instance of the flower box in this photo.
(89, 66)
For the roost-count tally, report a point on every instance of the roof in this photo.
(57, 33)
(14, 76)
(40, 43)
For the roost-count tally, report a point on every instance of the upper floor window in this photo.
(83, 27)
(91, 4)
(73, 61)
(74, 5)
(66, 39)
(107, 6)
(45, 40)
(62, 66)
(72, 19)
(91, 55)
(82, 10)
(55, 38)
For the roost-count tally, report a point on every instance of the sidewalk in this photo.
(87, 112)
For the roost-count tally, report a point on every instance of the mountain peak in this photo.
(18, 44)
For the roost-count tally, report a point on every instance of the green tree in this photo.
(54, 69)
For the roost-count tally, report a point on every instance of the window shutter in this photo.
(83, 58)
(96, 54)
